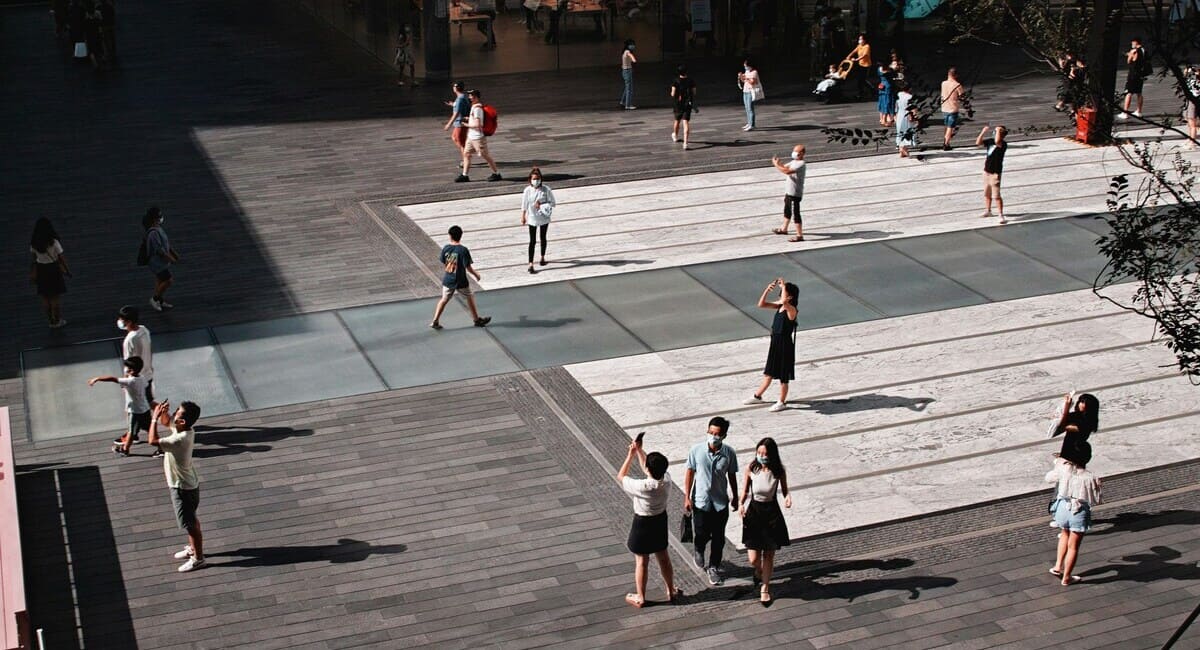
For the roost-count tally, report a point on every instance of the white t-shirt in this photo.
(50, 256)
(795, 180)
(135, 393)
(177, 459)
(476, 132)
(649, 496)
(137, 344)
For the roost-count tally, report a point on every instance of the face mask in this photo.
(535, 182)
(715, 441)
(120, 323)
(632, 47)
(762, 460)
(161, 222)
(795, 156)
(746, 68)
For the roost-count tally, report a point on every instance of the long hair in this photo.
(774, 463)
(43, 235)
(793, 293)
(1089, 420)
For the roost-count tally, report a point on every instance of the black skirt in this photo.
(648, 535)
(763, 527)
(50, 280)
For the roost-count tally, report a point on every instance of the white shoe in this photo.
(753, 400)
(192, 564)
(165, 304)
(685, 144)
(777, 407)
(1003, 220)
(747, 127)
(57, 324)
(155, 304)
(1122, 115)
(1137, 113)
(986, 215)
(674, 138)
(184, 554)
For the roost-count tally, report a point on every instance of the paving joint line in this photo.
(337, 314)
(391, 234)
(225, 367)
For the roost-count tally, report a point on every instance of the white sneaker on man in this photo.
(155, 304)
(753, 400)
(192, 564)
(674, 138)
(184, 554)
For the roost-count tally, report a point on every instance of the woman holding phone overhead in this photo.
(648, 534)
(1078, 421)
(781, 357)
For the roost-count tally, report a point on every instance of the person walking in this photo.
(476, 140)
(795, 171)
(628, 60)
(861, 57)
(710, 465)
(457, 262)
(906, 120)
(182, 479)
(951, 97)
(537, 204)
(1077, 492)
(993, 167)
(404, 57)
(159, 257)
(752, 91)
(47, 268)
(1139, 66)
(137, 344)
(781, 356)
(683, 100)
(136, 404)
(460, 113)
(1190, 98)
(648, 533)
(764, 530)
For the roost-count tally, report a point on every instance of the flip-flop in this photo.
(779, 231)
(1055, 572)
(795, 239)
(1071, 580)
(632, 599)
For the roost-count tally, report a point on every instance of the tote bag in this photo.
(81, 51)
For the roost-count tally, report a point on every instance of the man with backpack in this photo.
(1139, 69)
(480, 125)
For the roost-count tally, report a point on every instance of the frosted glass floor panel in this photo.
(296, 359)
(187, 366)
(1056, 242)
(397, 339)
(669, 309)
(59, 400)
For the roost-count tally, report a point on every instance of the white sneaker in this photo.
(165, 304)
(685, 144)
(1122, 115)
(986, 215)
(192, 564)
(1003, 220)
(674, 138)
(155, 304)
(753, 400)
(777, 407)
(184, 554)
(1137, 113)
(747, 127)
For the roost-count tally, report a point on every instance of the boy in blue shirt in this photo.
(456, 260)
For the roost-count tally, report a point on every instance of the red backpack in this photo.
(490, 120)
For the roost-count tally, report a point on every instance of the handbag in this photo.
(685, 528)
(81, 50)
(756, 93)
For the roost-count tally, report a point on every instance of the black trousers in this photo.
(533, 235)
(709, 525)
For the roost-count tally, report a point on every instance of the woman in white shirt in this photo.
(764, 530)
(751, 91)
(648, 535)
(1078, 490)
(537, 203)
(47, 268)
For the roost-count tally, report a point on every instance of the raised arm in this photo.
(762, 300)
(93, 380)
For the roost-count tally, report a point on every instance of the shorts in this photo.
(683, 113)
(1133, 85)
(185, 502)
(139, 422)
(991, 185)
(951, 120)
(1079, 521)
(791, 207)
(450, 291)
(479, 146)
(459, 135)
(163, 275)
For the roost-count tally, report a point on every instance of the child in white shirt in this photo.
(136, 404)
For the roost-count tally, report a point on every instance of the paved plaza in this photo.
(371, 483)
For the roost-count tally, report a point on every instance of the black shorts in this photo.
(163, 275)
(1133, 85)
(683, 113)
(150, 396)
(185, 502)
(791, 207)
(139, 422)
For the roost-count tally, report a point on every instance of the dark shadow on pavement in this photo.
(817, 580)
(1145, 567)
(525, 321)
(735, 143)
(571, 264)
(345, 550)
(855, 234)
(213, 441)
(868, 402)
(1135, 522)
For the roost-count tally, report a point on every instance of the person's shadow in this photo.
(1146, 567)
(817, 580)
(219, 441)
(868, 402)
(525, 321)
(1134, 522)
(345, 550)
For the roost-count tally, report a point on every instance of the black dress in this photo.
(781, 357)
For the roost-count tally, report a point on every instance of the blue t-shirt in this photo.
(462, 110)
(711, 483)
(455, 258)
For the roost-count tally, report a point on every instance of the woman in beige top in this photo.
(764, 530)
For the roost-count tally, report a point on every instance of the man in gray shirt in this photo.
(794, 170)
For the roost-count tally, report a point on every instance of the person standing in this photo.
(1078, 421)
(136, 404)
(764, 530)
(47, 269)
(951, 97)
(710, 465)
(1077, 491)
(457, 262)
(1190, 98)
(648, 533)
(487, 27)
(993, 167)
(887, 97)
(160, 256)
(627, 62)
(781, 356)
(795, 171)
(182, 479)
(752, 91)
(537, 204)
(460, 113)
(683, 99)
(861, 57)
(906, 120)
(476, 140)
(1138, 67)
(404, 57)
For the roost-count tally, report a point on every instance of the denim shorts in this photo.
(1076, 522)
(951, 120)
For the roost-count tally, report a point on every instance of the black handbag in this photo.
(685, 528)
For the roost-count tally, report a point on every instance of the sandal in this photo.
(764, 595)
(673, 596)
(1055, 572)
(796, 239)
(1070, 580)
(779, 231)
(632, 599)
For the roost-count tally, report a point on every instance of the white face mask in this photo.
(795, 156)
(535, 182)
(161, 222)
(121, 324)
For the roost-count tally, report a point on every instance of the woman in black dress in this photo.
(1078, 422)
(781, 358)
(763, 529)
(47, 267)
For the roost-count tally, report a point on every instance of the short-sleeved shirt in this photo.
(177, 459)
(685, 92)
(1137, 68)
(462, 111)
(649, 495)
(158, 246)
(476, 132)
(137, 344)
(749, 77)
(455, 259)
(994, 162)
(795, 180)
(951, 96)
(711, 481)
(626, 60)
(50, 256)
(135, 393)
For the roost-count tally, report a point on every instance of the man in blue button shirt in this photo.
(709, 465)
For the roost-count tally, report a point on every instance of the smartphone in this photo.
(639, 437)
